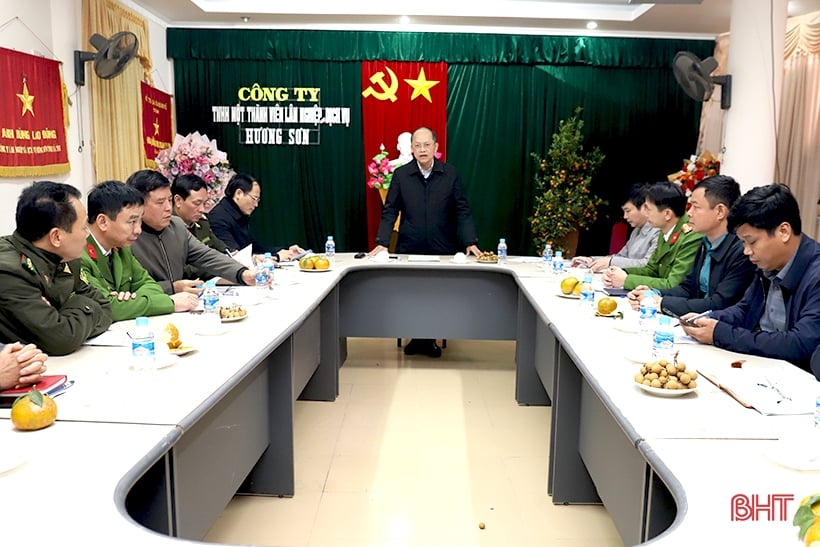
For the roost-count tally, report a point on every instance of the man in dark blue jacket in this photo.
(779, 316)
(721, 272)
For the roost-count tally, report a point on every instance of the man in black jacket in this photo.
(721, 271)
(231, 218)
(435, 215)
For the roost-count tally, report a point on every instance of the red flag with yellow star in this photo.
(32, 126)
(399, 97)
(156, 123)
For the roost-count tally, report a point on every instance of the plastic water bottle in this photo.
(547, 255)
(262, 281)
(558, 263)
(269, 266)
(210, 306)
(330, 250)
(587, 292)
(648, 311)
(142, 345)
(502, 251)
(663, 341)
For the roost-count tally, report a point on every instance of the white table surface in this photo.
(87, 460)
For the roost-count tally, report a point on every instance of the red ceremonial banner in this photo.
(399, 97)
(32, 126)
(156, 123)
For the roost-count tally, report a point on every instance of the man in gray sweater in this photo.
(165, 245)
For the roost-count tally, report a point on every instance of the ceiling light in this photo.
(404, 20)
(245, 18)
(592, 25)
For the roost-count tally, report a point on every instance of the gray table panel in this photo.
(409, 302)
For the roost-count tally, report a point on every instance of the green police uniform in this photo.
(670, 262)
(203, 232)
(127, 275)
(46, 301)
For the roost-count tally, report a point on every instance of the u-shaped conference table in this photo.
(152, 458)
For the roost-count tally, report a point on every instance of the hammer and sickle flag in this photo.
(399, 97)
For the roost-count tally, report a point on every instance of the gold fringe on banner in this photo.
(35, 171)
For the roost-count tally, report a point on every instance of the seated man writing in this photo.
(45, 300)
(115, 223)
(677, 243)
(721, 272)
(779, 315)
(641, 243)
(165, 245)
(21, 365)
(231, 219)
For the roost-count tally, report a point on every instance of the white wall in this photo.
(52, 28)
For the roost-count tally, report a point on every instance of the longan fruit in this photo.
(685, 378)
(656, 368)
(639, 378)
(681, 366)
(655, 383)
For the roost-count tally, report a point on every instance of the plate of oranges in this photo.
(314, 264)
(570, 287)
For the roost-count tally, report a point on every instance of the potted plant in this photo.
(564, 203)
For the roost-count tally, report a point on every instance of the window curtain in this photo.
(798, 160)
(115, 104)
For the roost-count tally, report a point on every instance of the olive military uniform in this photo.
(46, 301)
(671, 260)
(203, 232)
(125, 274)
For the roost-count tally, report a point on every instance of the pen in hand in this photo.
(691, 321)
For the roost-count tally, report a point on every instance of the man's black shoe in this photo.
(424, 346)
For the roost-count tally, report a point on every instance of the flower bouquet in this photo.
(198, 155)
(694, 170)
(380, 170)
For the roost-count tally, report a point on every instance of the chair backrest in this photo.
(618, 238)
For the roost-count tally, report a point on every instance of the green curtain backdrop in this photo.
(506, 96)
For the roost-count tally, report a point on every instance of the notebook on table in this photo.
(48, 385)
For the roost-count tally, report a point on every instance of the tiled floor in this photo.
(418, 452)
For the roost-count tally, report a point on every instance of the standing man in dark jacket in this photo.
(44, 298)
(435, 215)
(779, 316)
(165, 245)
(721, 272)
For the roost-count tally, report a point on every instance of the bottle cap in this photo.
(330, 238)
(664, 320)
(502, 240)
(267, 255)
(588, 278)
(142, 321)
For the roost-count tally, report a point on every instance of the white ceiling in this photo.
(684, 18)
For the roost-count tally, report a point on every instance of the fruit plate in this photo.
(315, 271)
(233, 319)
(487, 261)
(612, 314)
(628, 326)
(182, 350)
(660, 392)
(570, 296)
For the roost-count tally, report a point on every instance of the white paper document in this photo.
(423, 258)
(245, 257)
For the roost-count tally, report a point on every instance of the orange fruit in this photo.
(306, 263)
(568, 284)
(322, 263)
(812, 534)
(607, 305)
(173, 336)
(33, 411)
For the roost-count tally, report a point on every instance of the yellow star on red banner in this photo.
(28, 100)
(421, 86)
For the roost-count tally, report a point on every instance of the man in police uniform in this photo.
(45, 300)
